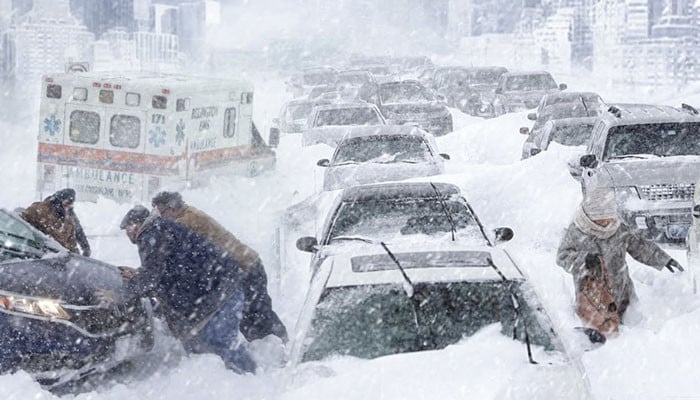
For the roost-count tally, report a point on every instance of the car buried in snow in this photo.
(397, 299)
(519, 91)
(569, 132)
(52, 324)
(409, 102)
(380, 154)
(650, 156)
(471, 89)
(330, 123)
(293, 116)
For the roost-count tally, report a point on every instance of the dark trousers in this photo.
(258, 318)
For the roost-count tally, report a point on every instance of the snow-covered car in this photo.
(395, 299)
(693, 239)
(52, 323)
(471, 89)
(329, 123)
(650, 156)
(570, 132)
(355, 78)
(590, 102)
(381, 154)
(577, 107)
(410, 102)
(317, 91)
(415, 212)
(294, 114)
(519, 91)
(381, 73)
(300, 84)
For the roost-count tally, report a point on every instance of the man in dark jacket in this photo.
(55, 217)
(197, 285)
(258, 320)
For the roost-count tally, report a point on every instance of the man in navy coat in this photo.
(197, 285)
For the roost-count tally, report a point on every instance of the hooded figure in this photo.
(197, 285)
(597, 237)
(55, 217)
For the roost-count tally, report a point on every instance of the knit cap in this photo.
(599, 204)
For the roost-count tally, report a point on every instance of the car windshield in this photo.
(376, 320)
(530, 82)
(379, 70)
(392, 218)
(485, 77)
(664, 139)
(347, 116)
(16, 236)
(298, 111)
(382, 149)
(404, 94)
(352, 79)
(571, 135)
(319, 78)
(588, 101)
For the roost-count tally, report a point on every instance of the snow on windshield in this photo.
(377, 148)
(670, 139)
(347, 116)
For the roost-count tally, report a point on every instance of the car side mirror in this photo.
(532, 117)
(696, 211)
(498, 91)
(535, 151)
(524, 130)
(445, 156)
(274, 139)
(323, 162)
(308, 244)
(588, 161)
(503, 234)
(562, 86)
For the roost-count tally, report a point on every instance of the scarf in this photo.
(586, 225)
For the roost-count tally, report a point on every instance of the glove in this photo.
(106, 297)
(86, 252)
(592, 263)
(671, 264)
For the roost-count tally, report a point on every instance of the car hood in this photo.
(330, 135)
(68, 277)
(668, 170)
(412, 108)
(343, 176)
(531, 96)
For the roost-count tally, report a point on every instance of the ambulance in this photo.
(127, 137)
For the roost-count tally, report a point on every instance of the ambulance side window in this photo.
(125, 131)
(229, 122)
(84, 127)
(53, 91)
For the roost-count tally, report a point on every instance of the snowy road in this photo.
(653, 357)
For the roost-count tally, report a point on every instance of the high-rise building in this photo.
(101, 16)
(638, 22)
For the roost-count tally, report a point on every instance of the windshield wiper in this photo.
(408, 286)
(360, 238)
(345, 163)
(516, 306)
(640, 156)
(445, 210)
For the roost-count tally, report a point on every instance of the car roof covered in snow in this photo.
(343, 106)
(522, 73)
(386, 130)
(428, 262)
(634, 114)
(400, 190)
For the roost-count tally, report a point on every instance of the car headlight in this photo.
(33, 306)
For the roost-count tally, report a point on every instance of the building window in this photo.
(125, 131)
(84, 127)
(229, 122)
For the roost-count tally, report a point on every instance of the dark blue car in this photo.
(51, 322)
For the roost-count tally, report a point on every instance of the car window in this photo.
(404, 94)
(664, 139)
(10, 226)
(530, 82)
(571, 135)
(376, 320)
(389, 218)
(347, 116)
(382, 149)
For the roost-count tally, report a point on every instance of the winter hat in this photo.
(66, 194)
(600, 204)
(136, 215)
(168, 200)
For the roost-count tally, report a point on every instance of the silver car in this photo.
(650, 156)
(519, 91)
(330, 123)
(381, 154)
